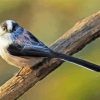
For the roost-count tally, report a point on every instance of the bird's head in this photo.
(9, 30)
(8, 27)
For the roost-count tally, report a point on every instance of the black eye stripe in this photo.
(14, 26)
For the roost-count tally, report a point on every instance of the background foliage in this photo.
(48, 20)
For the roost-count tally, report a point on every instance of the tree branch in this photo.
(71, 42)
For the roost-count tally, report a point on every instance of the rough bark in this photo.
(71, 42)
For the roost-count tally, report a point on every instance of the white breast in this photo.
(5, 41)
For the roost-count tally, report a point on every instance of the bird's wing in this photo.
(29, 50)
(25, 44)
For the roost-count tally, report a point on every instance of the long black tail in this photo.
(78, 61)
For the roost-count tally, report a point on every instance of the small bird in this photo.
(18, 47)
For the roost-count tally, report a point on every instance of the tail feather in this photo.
(78, 61)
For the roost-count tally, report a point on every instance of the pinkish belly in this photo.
(20, 61)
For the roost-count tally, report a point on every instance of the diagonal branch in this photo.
(71, 42)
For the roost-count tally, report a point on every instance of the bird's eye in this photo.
(4, 28)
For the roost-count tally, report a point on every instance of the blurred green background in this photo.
(48, 20)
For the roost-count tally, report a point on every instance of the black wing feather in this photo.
(32, 51)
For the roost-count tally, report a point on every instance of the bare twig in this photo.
(71, 42)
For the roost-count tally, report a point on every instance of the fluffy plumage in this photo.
(19, 47)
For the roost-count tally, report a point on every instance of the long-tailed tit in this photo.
(18, 47)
